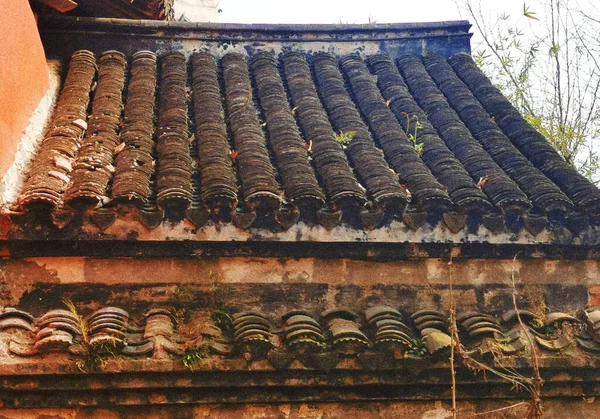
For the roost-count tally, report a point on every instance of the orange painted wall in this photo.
(23, 75)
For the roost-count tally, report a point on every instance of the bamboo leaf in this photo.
(528, 13)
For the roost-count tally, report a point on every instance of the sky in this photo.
(351, 11)
(359, 11)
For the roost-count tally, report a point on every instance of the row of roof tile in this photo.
(317, 341)
(363, 141)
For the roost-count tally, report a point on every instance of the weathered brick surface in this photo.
(567, 298)
(280, 284)
(594, 295)
(561, 408)
(333, 271)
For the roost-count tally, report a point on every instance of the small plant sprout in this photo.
(91, 356)
(417, 347)
(413, 135)
(222, 319)
(194, 357)
(418, 148)
(345, 138)
(81, 322)
(372, 19)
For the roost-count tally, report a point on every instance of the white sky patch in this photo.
(349, 11)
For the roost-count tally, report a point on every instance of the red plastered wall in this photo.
(23, 75)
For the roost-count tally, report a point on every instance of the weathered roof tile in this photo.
(334, 335)
(259, 185)
(329, 158)
(372, 169)
(398, 149)
(94, 168)
(62, 141)
(174, 165)
(499, 188)
(545, 195)
(135, 158)
(440, 160)
(451, 158)
(530, 142)
(290, 150)
(218, 180)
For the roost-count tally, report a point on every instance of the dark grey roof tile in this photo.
(259, 185)
(290, 150)
(500, 189)
(329, 158)
(440, 160)
(233, 157)
(545, 195)
(368, 161)
(397, 147)
(530, 142)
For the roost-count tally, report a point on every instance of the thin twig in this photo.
(535, 410)
(494, 51)
(453, 341)
(512, 406)
(407, 121)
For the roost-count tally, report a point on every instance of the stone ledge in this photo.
(203, 387)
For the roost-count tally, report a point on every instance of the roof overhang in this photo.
(59, 35)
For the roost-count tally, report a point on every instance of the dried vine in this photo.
(532, 385)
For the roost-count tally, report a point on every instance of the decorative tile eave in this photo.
(348, 372)
(380, 338)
